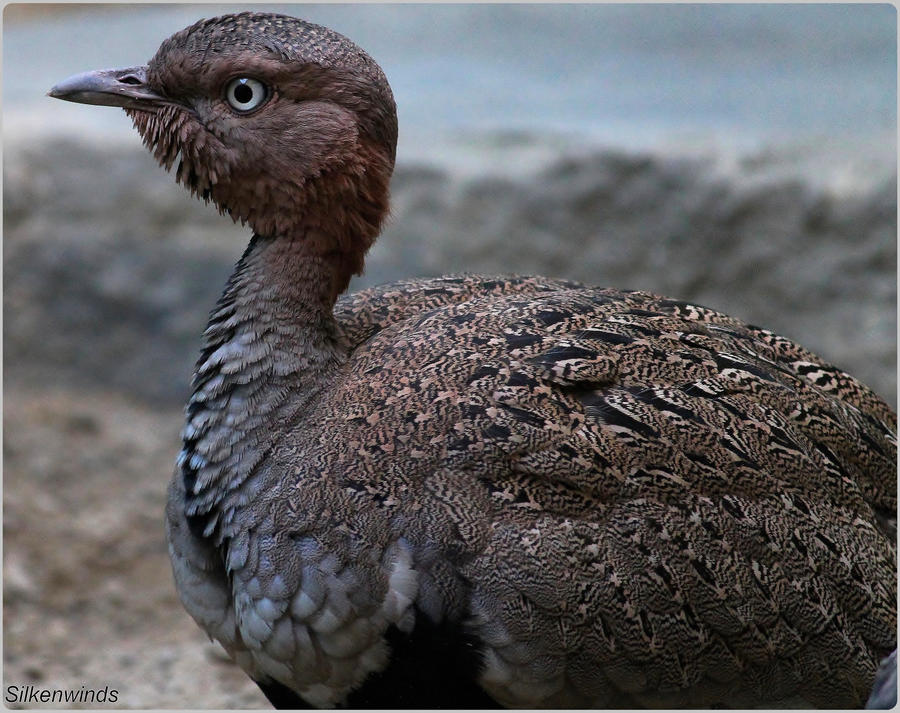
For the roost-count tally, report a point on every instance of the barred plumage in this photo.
(469, 490)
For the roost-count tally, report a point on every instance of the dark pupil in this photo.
(243, 93)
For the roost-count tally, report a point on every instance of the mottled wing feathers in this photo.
(365, 313)
(653, 502)
(532, 354)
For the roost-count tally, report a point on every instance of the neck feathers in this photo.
(269, 347)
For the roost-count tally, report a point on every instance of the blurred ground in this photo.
(88, 599)
(110, 270)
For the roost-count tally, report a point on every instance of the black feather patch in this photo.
(434, 666)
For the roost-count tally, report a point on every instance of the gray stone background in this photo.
(740, 156)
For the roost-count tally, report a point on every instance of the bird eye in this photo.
(245, 94)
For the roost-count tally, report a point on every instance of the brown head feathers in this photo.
(309, 152)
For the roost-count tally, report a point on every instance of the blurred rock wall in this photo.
(110, 268)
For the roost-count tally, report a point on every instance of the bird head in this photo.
(283, 124)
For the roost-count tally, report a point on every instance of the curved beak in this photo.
(109, 87)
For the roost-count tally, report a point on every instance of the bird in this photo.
(479, 491)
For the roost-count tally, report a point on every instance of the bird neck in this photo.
(326, 220)
(270, 346)
(285, 281)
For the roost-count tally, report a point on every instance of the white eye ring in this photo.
(244, 94)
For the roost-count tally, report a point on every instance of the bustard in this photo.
(471, 491)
